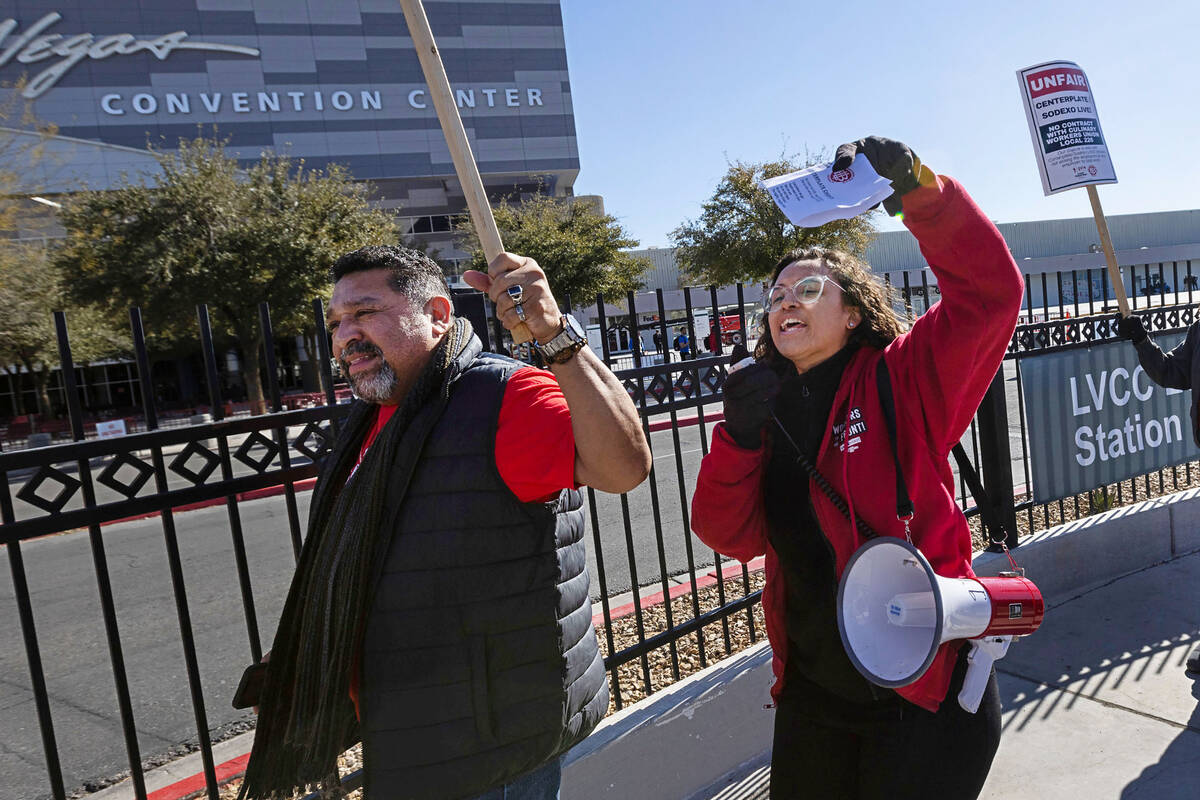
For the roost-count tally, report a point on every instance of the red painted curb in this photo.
(231, 769)
(650, 600)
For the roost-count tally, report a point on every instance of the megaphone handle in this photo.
(984, 653)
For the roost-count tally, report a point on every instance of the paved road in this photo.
(74, 650)
(61, 574)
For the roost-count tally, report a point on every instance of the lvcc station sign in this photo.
(1095, 418)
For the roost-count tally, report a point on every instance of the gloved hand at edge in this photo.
(1131, 328)
(893, 160)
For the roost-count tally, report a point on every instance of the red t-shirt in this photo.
(535, 447)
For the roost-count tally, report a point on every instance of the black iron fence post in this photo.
(100, 562)
(996, 459)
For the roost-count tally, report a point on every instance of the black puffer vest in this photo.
(479, 661)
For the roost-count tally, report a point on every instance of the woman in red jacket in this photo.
(828, 322)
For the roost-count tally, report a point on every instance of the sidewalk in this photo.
(1096, 702)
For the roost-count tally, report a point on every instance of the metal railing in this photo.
(58, 489)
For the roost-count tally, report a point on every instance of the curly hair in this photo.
(861, 289)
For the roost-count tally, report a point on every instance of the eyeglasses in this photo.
(805, 291)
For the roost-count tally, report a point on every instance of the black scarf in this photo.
(306, 718)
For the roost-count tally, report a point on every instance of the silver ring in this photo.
(517, 294)
(520, 312)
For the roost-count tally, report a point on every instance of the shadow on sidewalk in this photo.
(1099, 696)
(1175, 774)
(1124, 643)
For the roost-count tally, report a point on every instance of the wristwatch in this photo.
(569, 341)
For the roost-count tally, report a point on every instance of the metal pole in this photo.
(996, 458)
(456, 139)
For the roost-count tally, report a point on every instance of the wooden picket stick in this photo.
(1110, 256)
(456, 139)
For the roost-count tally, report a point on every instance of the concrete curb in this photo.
(185, 777)
(681, 739)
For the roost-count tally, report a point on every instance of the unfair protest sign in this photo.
(1065, 127)
(1096, 418)
(814, 196)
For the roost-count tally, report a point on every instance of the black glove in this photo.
(891, 159)
(750, 394)
(1131, 328)
(738, 352)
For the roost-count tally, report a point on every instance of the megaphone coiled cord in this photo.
(826, 488)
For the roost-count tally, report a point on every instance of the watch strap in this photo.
(563, 346)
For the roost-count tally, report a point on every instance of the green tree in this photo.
(31, 287)
(206, 230)
(23, 141)
(578, 246)
(741, 233)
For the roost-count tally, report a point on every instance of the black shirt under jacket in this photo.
(819, 673)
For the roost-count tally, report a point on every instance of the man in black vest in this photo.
(440, 611)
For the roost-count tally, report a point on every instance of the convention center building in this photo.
(328, 82)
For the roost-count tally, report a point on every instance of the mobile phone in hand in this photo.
(250, 687)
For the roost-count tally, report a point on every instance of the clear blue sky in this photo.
(667, 91)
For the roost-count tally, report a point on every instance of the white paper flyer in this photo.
(817, 195)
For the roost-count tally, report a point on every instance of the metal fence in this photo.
(58, 489)
(640, 541)
(1086, 315)
(1061, 311)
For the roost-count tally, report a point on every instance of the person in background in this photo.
(803, 456)
(682, 346)
(1178, 369)
(440, 610)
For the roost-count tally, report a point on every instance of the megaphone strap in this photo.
(904, 505)
(839, 502)
(966, 470)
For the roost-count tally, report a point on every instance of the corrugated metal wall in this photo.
(665, 273)
(1162, 248)
(896, 250)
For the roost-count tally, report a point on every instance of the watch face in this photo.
(574, 326)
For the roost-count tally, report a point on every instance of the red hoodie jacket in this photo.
(940, 371)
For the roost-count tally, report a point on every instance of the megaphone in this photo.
(894, 612)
